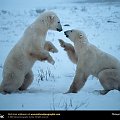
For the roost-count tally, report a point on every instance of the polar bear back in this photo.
(100, 60)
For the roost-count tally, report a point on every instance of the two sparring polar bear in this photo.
(17, 70)
(91, 61)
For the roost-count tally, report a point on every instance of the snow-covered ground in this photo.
(101, 23)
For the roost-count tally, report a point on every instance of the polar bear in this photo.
(91, 61)
(17, 69)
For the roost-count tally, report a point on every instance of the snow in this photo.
(101, 23)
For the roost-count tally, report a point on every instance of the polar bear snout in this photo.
(66, 33)
(59, 28)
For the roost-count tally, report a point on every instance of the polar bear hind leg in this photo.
(11, 82)
(109, 79)
(27, 81)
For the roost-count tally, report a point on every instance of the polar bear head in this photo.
(76, 35)
(50, 21)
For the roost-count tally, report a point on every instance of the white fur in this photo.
(92, 61)
(17, 73)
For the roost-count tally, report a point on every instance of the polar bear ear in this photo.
(51, 18)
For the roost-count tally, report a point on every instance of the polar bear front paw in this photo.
(70, 91)
(53, 62)
(50, 60)
(65, 45)
(54, 50)
(62, 43)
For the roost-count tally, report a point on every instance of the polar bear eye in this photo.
(59, 22)
(71, 31)
(81, 36)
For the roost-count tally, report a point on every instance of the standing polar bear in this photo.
(17, 70)
(91, 61)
